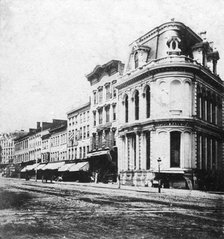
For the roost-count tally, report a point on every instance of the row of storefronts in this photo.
(157, 117)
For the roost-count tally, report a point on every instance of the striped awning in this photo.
(40, 166)
(30, 167)
(98, 153)
(66, 167)
(83, 166)
(53, 166)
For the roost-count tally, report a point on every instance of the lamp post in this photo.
(159, 181)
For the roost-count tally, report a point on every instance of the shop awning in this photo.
(83, 166)
(40, 166)
(24, 169)
(98, 153)
(53, 166)
(177, 171)
(65, 167)
(30, 167)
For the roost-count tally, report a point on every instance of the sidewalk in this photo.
(166, 191)
(138, 189)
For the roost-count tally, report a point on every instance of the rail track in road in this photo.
(115, 197)
(74, 209)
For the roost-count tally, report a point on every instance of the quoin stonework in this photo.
(158, 116)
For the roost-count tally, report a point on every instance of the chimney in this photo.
(38, 125)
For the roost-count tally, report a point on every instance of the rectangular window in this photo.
(84, 117)
(94, 97)
(80, 118)
(87, 133)
(75, 153)
(94, 118)
(107, 114)
(100, 95)
(84, 132)
(80, 133)
(108, 95)
(100, 111)
(76, 134)
(87, 116)
(100, 139)
(87, 149)
(114, 112)
(175, 149)
(84, 152)
(80, 152)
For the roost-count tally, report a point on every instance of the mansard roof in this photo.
(172, 24)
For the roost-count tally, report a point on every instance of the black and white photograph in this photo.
(111, 119)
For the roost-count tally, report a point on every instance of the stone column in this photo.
(126, 153)
(137, 150)
(143, 154)
(120, 157)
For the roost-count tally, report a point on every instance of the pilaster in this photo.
(137, 151)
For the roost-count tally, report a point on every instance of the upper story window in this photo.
(87, 131)
(108, 94)
(136, 99)
(80, 133)
(126, 108)
(87, 116)
(94, 118)
(114, 112)
(100, 95)
(136, 60)
(84, 132)
(76, 134)
(95, 97)
(107, 109)
(80, 118)
(114, 92)
(147, 98)
(100, 116)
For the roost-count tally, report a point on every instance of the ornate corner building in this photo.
(170, 101)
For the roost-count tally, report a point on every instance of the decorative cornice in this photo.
(192, 123)
(163, 65)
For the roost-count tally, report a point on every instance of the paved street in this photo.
(32, 209)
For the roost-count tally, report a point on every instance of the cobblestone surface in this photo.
(60, 210)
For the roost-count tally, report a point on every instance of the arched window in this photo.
(136, 59)
(126, 108)
(136, 105)
(175, 149)
(147, 98)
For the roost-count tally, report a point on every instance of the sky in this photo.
(48, 46)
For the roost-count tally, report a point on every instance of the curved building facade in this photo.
(170, 111)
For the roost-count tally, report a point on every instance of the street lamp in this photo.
(159, 181)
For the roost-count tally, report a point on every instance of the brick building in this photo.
(103, 111)
(78, 132)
